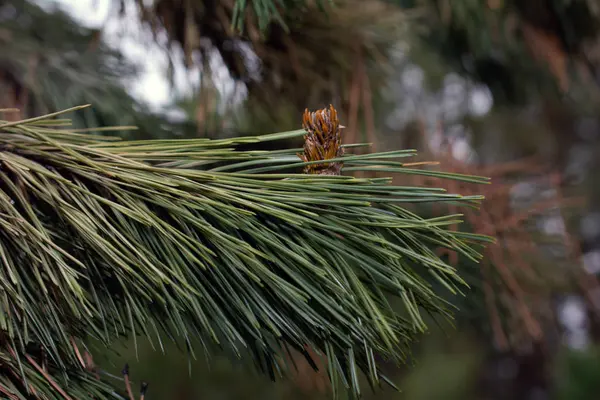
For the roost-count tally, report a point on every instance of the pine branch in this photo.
(103, 239)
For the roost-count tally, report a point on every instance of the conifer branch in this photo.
(106, 239)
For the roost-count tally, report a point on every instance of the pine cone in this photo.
(323, 141)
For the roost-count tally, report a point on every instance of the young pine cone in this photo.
(323, 141)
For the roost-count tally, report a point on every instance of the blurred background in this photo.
(507, 89)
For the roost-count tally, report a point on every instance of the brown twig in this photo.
(48, 377)
(143, 390)
(8, 393)
(77, 353)
(499, 335)
(352, 127)
(125, 373)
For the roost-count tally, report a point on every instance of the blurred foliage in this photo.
(453, 361)
(48, 63)
(578, 375)
(527, 266)
(267, 11)
(312, 60)
(519, 49)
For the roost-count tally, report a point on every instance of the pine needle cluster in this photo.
(201, 241)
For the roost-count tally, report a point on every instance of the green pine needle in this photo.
(196, 239)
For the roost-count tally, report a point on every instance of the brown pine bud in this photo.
(323, 141)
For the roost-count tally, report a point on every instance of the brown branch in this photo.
(8, 393)
(77, 353)
(352, 128)
(48, 377)
(125, 373)
(499, 336)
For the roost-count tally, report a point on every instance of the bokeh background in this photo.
(502, 88)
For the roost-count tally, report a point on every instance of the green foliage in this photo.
(578, 374)
(268, 11)
(103, 239)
